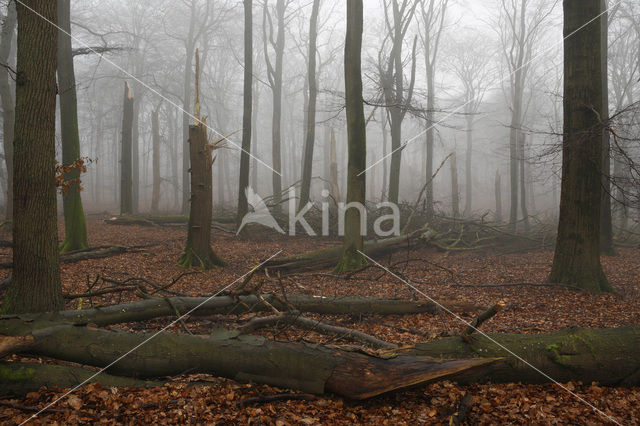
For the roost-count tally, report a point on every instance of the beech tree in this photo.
(75, 227)
(126, 183)
(353, 244)
(577, 256)
(35, 284)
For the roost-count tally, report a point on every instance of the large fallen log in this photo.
(148, 309)
(329, 257)
(307, 367)
(608, 356)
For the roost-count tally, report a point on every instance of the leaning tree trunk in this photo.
(155, 130)
(75, 226)
(6, 97)
(126, 185)
(35, 285)
(353, 243)
(198, 252)
(577, 255)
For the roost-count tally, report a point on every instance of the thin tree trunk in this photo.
(310, 127)
(6, 97)
(523, 179)
(35, 284)
(455, 192)
(498, 196)
(126, 188)
(155, 131)
(468, 186)
(577, 256)
(333, 169)
(353, 244)
(75, 226)
(243, 183)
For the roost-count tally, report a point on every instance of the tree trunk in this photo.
(35, 285)
(310, 128)
(6, 97)
(498, 196)
(523, 179)
(455, 192)
(333, 169)
(577, 255)
(247, 115)
(198, 252)
(75, 226)
(353, 244)
(468, 185)
(126, 186)
(155, 130)
(430, 140)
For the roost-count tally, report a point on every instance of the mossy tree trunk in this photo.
(247, 114)
(310, 127)
(198, 252)
(35, 285)
(75, 227)
(353, 244)
(6, 97)
(577, 255)
(126, 185)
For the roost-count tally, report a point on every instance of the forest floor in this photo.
(470, 276)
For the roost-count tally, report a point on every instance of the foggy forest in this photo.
(320, 212)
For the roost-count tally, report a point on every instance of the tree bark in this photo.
(198, 252)
(6, 97)
(577, 256)
(75, 226)
(247, 115)
(35, 286)
(310, 127)
(353, 244)
(126, 185)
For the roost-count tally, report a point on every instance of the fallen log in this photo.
(90, 253)
(20, 378)
(149, 309)
(608, 356)
(307, 367)
(158, 220)
(329, 257)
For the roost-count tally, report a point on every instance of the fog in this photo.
(469, 53)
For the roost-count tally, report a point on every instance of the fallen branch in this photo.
(293, 318)
(463, 410)
(91, 253)
(483, 317)
(266, 399)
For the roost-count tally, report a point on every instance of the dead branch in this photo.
(482, 318)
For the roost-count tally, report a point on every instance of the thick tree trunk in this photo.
(247, 115)
(310, 125)
(35, 286)
(353, 244)
(75, 227)
(6, 97)
(577, 255)
(126, 185)
(198, 252)
(155, 130)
